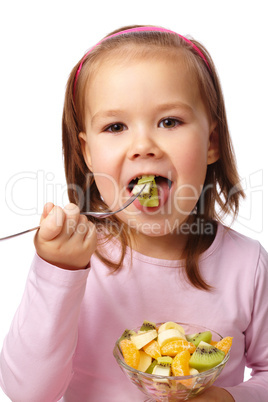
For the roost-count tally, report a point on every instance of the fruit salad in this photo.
(167, 351)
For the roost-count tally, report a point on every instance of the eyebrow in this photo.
(175, 105)
(106, 113)
(159, 108)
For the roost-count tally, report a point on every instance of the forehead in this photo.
(126, 55)
(168, 66)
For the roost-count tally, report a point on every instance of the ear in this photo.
(213, 147)
(85, 149)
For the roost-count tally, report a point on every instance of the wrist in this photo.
(62, 265)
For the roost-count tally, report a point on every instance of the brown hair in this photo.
(221, 183)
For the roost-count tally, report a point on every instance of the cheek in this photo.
(105, 175)
(108, 189)
(104, 156)
(192, 168)
(105, 182)
(193, 163)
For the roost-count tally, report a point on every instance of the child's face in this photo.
(147, 117)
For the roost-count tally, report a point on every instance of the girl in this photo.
(143, 101)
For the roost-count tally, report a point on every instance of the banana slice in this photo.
(170, 325)
(169, 335)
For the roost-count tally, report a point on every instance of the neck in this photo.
(171, 246)
(168, 247)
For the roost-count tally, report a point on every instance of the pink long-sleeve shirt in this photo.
(60, 343)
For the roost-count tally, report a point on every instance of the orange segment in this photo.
(213, 343)
(180, 366)
(130, 352)
(152, 349)
(174, 347)
(225, 344)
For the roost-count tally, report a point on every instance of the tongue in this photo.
(163, 190)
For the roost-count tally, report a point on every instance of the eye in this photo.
(115, 128)
(169, 122)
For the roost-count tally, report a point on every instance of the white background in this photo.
(42, 41)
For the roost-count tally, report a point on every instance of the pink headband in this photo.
(138, 29)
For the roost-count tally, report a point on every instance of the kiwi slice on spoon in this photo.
(149, 195)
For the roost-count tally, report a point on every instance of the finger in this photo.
(88, 229)
(89, 242)
(82, 227)
(72, 215)
(90, 239)
(47, 208)
(85, 229)
(52, 224)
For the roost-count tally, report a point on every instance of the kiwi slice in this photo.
(127, 334)
(151, 367)
(205, 336)
(205, 357)
(164, 361)
(149, 196)
(147, 326)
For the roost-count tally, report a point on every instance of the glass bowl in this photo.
(162, 388)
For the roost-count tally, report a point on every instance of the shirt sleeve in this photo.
(36, 359)
(256, 388)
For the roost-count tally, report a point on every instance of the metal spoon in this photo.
(100, 215)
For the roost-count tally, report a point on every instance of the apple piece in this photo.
(145, 361)
(143, 338)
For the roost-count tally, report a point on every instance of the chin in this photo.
(153, 229)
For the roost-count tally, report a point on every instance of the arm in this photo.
(36, 360)
(256, 341)
(215, 394)
(255, 389)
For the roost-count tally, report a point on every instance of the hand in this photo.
(65, 238)
(215, 394)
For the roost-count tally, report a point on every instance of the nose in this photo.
(144, 146)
